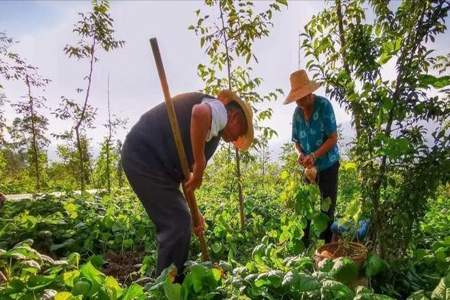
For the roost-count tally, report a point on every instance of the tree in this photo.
(14, 160)
(399, 169)
(33, 124)
(12, 67)
(96, 31)
(29, 130)
(227, 38)
(108, 155)
(77, 144)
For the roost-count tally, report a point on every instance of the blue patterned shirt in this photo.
(310, 135)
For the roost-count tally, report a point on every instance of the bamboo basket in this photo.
(355, 251)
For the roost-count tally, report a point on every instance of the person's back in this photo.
(150, 147)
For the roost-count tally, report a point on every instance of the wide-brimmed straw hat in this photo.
(301, 86)
(243, 142)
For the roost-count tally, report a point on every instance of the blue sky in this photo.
(45, 27)
(21, 16)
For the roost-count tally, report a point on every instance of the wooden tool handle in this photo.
(190, 197)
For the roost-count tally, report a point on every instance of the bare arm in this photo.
(309, 160)
(200, 124)
(298, 149)
(300, 154)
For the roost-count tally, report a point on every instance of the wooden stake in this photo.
(190, 197)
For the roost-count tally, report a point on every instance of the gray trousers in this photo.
(167, 208)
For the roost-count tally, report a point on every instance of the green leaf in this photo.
(82, 287)
(349, 166)
(37, 283)
(23, 252)
(200, 277)
(344, 270)
(442, 290)
(70, 277)
(378, 29)
(64, 296)
(384, 58)
(425, 80)
(418, 295)
(97, 261)
(74, 259)
(258, 251)
(335, 290)
(113, 288)
(374, 265)
(216, 247)
(272, 278)
(325, 204)
(300, 282)
(396, 147)
(65, 244)
(216, 273)
(275, 277)
(31, 264)
(397, 44)
(71, 210)
(90, 272)
(172, 290)
(93, 275)
(290, 279)
(134, 292)
(320, 222)
(326, 265)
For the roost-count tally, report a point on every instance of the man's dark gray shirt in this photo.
(149, 146)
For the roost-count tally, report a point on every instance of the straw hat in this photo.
(301, 86)
(244, 141)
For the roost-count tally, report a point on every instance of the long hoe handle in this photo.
(190, 197)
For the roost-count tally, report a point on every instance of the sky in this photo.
(43, 28)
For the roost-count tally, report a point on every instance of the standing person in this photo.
(151, 164)
(315, 139)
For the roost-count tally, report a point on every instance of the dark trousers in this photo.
(167, 208)
(328, 182)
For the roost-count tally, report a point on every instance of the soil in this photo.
(123, 266)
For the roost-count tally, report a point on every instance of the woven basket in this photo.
(355, 251)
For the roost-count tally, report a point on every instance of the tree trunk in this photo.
(239, 182)
(108, 143)
(409, 51)
(34, 137)
(82, 116)
(81, 162)
(237, 156)
(119, 165)
(108, 170)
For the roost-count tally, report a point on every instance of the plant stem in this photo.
(237, 155)
(33, 133)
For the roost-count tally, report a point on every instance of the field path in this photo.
(19, 197)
